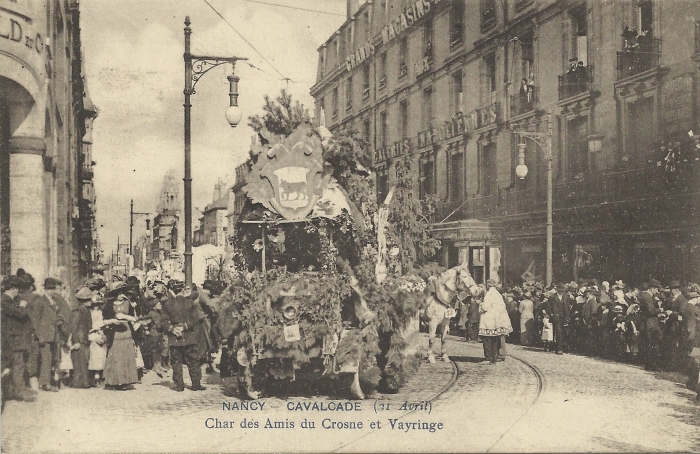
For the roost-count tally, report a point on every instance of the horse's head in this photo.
(464, 280)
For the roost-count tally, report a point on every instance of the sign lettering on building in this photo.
(406, 19)
(422, 66)
(393, 151)
(360, 55)
(12, 31)
(459, 125)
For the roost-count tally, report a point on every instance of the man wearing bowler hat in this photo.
(557, 306)
(651, 330)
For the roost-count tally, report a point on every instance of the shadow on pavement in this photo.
(688, 413)
(467, 359)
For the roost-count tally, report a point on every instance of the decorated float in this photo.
(321, 288)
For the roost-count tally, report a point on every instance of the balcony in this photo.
(643, 55)
(365, 93)
(524, 101)
(575, 82)
(595, 190)
(382, 82)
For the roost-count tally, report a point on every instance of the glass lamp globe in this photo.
(521, 171)
(233, 115)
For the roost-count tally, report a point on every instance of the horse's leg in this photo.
(445, 325)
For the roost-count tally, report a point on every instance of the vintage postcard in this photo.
(350, 225)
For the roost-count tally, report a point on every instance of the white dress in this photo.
(494, 319)
(98, 346)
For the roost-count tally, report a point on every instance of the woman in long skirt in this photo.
(527, 319)
(120, 370)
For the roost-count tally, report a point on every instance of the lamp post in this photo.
(195, 67)
(544, 140)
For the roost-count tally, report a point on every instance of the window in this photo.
(640, 130)
(489, 80)
(403, 58)
(488, 14)
(365, 82)
(403, 114)
(457, 22)
(487, 170)
(366, 130)
(427, 108)
(457, 92)
(382, 71)
(645, 18)
(321, 110)
(427, 171)
(341, 47)
(382, 185)
(527, 58)
(455, 172)
(367, 25)
(383, 125)
(348, 94)
(579, 36)
(428, 39)
(335, 102)
(577, 147)
(322, 63)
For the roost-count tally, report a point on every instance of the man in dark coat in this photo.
(35, 309)
(181, 316)
(558, 306)
(680, 306)
(47, 332)
(651, 330)
(17, 334)
(473, 316)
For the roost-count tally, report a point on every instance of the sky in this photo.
(132, 52)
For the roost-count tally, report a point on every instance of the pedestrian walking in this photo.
(120, 371)
(180, 317)
(35, 310)
(494, 322)
(80, 343)
(527, 318)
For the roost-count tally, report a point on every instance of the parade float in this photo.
(327, 282)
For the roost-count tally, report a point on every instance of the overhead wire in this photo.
(297, 8)
(244, 39)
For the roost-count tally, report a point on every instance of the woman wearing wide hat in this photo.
(120, 371)
(81, 324)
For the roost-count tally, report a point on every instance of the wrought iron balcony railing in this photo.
(575, 82)
(645, 54)
(523, 102)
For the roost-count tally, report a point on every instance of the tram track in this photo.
(541, 384)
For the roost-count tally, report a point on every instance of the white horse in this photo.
(455, 282)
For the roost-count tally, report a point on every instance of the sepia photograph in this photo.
(301, 226)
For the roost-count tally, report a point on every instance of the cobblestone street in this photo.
(534, 401)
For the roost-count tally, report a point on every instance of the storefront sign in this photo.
(406, 19)
(393, 151)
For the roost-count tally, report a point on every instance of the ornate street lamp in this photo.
(544, 140)
(195, 67)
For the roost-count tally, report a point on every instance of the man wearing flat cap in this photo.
(558, 306)
(52, 316)
(651, 330)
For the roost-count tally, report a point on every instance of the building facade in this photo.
(452, 83)
(47, 200)
(213, 225)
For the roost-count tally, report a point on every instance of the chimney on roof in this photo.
(353, 6)
(217, 191)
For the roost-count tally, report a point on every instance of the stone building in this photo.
(47, 200)
(452, 82)
(214, 222)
